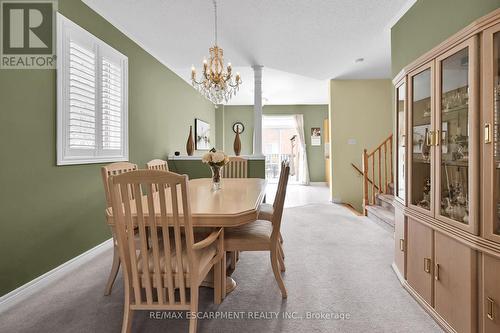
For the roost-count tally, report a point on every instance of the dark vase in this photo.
(237, 144)
(190, 142)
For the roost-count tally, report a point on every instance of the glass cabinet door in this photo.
(490, 140)
(455, 118)
(420, 149)
(400, 185)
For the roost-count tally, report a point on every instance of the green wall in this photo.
(313, 117)
(51, 214)
(428, 23)
(360, 118)
(196, 169)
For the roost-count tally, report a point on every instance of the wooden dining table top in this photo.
(236, 203)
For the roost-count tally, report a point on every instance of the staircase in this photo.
(378, 189)
(383, 211)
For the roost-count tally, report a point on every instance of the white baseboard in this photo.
(319, 183)
(23, 292)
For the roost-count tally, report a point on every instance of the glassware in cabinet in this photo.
(420, 148)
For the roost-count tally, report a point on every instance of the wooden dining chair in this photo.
(107, 171)
(237, 167)
(157, 164)
(158, 271)
(266, 213)
(261, 235)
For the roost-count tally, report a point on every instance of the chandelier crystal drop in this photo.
(217, 83)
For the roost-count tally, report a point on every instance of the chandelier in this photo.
(217, 84)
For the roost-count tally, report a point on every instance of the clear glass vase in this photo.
(216, 185)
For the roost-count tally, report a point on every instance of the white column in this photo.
(257, 111)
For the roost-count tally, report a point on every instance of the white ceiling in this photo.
(301, 44)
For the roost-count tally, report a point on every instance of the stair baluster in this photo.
(382, 169)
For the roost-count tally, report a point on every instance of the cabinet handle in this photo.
(487, 133)
(427, 265)
(491, 305)
(428, 138)
(402, 245)
(436, 273)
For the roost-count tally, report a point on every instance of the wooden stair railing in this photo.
(362, 174)
(377, 164)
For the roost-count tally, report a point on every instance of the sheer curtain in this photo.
(302, 169)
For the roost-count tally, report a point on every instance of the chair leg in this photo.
(280, 256)
(127, 313)
(234, 256)
(114, 271)
(276, 271)
(193, 320)
(223, 274)
(217, 282)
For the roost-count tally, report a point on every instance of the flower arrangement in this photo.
(216, 160)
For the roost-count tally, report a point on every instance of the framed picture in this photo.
(419, 137)
(202, 134)
(315, 136)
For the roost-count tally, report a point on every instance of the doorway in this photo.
(280, 142)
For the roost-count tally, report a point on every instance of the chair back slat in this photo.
(279, 201)
(126, 235)
(161, 207)
(143, 237)
(166, 243)
(114, 169)
(157, 279)
(178, 243)
(237, 167)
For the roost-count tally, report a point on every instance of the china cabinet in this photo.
(491, 294)
(455, 137)
(491, 135)
(419, 259)
(447, 180)
(400, 179)
(421, 125)
(400, 244)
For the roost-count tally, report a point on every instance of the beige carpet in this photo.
(338, 269)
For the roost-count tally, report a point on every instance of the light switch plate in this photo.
(351, 141)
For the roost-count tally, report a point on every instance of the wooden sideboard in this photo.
(447, 179)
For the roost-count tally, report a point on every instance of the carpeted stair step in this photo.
(386, 201)
(381, 215)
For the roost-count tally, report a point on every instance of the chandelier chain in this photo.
(215, 21)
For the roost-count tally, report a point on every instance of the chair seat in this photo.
(202, 256)
(254, 236)
(266, 212)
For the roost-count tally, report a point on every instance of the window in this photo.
(92, 109)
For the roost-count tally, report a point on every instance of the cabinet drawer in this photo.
(419, 259)
(455, 290)
(491, 294)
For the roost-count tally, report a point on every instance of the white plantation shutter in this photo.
(82, 95)
(92, 116)
(111, 105)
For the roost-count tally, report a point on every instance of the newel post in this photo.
(365, 180)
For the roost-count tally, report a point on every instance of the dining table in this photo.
(235, 203)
